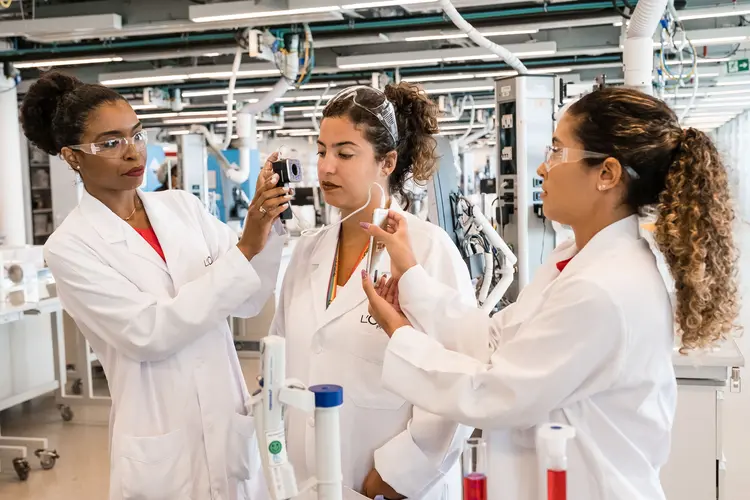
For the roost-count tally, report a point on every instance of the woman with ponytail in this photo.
(589, 343)
(370, 144)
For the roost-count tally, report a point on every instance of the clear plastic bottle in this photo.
(475, 469)
(554, 439)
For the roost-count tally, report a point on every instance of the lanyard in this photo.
(332, 283)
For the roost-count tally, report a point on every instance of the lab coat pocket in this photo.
(155, 468)
(244, 457)
(364, 386)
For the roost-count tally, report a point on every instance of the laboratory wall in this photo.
(732, 140)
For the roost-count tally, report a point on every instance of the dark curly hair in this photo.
(55, 109)
(416, 118)
(681, 172)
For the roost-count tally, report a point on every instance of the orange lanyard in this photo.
(332, 283)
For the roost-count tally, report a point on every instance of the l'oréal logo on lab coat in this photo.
(366, 319)
(209, 260)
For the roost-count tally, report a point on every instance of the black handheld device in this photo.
(289, 171)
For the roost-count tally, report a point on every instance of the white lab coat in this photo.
(178, 424)
(590, 347)
(415, 452)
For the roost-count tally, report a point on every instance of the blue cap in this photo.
(328, 396)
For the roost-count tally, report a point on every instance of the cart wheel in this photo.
(77, 387)
(47, 458)
(22, 468)
(67, 413)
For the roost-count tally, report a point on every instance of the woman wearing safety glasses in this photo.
(150, 279)
(370, 143)
(589, 342)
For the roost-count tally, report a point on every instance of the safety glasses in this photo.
(114, 148)
(554, 156)
(384, 111)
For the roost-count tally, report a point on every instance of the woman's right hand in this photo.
(267, 205)
(396, 240)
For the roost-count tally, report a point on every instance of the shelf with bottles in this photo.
(40, 189)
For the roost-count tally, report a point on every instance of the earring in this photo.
(602, 187)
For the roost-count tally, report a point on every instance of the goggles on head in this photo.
(385, 112)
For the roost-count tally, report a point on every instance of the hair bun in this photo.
(39, 107)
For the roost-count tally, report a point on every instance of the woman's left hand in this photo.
(384, 309)
(396, 240)
(374, 486)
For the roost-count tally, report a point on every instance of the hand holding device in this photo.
(288, 171)
(267, 205)
(396, 240)
(376, 248)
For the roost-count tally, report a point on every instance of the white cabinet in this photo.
(690, 473)
(695, 467)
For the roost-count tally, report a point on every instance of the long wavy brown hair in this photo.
(682, 174)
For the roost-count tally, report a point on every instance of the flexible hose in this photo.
(646, 18)
(278, 90)
(230, 97)
(316, 125)
(473, 117)
(476, 37)
(638, 54)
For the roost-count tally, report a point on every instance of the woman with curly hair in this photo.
(589, 343)
(368, 138)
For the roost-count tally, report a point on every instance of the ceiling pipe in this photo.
(476, 37)
(353, 26)
(638, 52)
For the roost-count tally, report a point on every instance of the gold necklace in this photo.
(134, 210)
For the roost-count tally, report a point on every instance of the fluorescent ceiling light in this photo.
(730, 82)
(710, 104)
(700, 61)
(65, 62)
(139, 107)
(187, 121)
(256, 14)
(462, 126)
(301, 133)
(385, 64)
(212, 54)
(450, 90)
(713, 12)
(175, 114)
(72, 25)
(319, 114)
(455, 36)
(717, 40)
(438, 78)
(176, 75)
(293, 130)
(179, 132)
(145, 79)
(430, 57)
(213, 92)
(383, 3)
(299, 108)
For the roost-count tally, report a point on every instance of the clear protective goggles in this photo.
(554, 156)
(116, 147)
(385, 112)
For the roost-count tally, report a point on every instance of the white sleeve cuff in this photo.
(404, 467)
(412, 284)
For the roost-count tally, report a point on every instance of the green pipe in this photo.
(469, 16)
(531, 64)
(114, 46)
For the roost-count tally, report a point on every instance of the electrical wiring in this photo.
(622, 13)
(308, 60)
